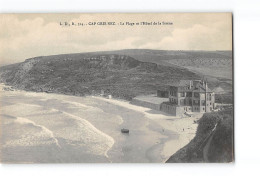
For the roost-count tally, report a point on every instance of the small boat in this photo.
(124, 130)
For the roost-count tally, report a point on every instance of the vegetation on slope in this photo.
(85, 74)
(220, 148)
(224, 98)
(124, 73)
(216, 64)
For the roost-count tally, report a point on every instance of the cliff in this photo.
(83, 74)
(213, 141)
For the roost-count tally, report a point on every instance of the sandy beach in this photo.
(54, 128)
(183, 128)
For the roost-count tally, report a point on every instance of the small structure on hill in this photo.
(106, 93)
(102, 92)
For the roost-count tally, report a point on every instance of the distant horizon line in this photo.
(110, 51)
(121, 50)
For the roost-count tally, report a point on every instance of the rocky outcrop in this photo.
(81, 74)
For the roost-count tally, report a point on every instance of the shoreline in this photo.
(171, 136)
(76, 120)
(172, 123)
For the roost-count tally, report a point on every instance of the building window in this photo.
(196, 102)
(182, 94)
(173, 93)
(174, 101)
(196, 94)
(209, 97)
(189, 94)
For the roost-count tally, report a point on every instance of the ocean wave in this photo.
(92, 109)
(30, 133)
(88, 133)
(41, 124)
(20, 109)
(89, 108)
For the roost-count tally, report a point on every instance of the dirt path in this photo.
(206, 146)
(206, 149)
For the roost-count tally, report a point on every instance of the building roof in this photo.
(188, 82)
(151, 99)
(163, 89)
(192, 85)
(185, 83)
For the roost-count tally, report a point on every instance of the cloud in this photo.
(25, 36)
(198, 37)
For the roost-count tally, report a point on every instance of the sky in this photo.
(24, 36)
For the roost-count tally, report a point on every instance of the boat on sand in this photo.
(124, 130)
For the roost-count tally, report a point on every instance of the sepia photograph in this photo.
(116, 88)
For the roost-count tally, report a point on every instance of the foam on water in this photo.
(92, 111)
(38, 124)
(44, 129)
(71, 128)
(88, 133)
(31, 135)
(89, 108)
(20, 109)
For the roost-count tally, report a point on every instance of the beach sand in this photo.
(183, 128)
(54, 128)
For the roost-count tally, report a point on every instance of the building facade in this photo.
(189, 96)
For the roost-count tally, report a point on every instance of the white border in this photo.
(246, 15)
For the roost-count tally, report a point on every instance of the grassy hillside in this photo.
(211, 63)
(216, 66)
(125, 73)
(83, 74)
(209, 145)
